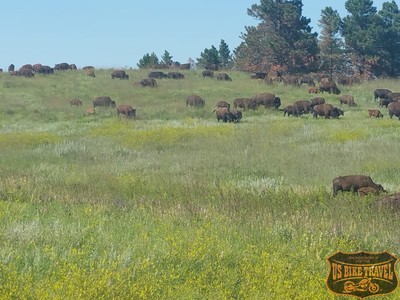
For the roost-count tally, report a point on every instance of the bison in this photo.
(223, 103)
(267, 99)
(347, 99)
(223, 114)
(157, 75)
(375, 113)
(195, 101)
(127, 110)
(326, 110)
(244, 103)
(150, 82)
(381, 93)
(394, 109)
(121, 74)
(313, 90)
(367, 190)
(175, 75)
(289, 110)
(316, 101)
(354, 183)
(208, 73)
(328, 85)
(103, 101)
(75, 102)
(90, 73)
(61, 67)
(302, 107)
(223, 76)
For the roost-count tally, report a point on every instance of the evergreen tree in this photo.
(148, 61)
(209, 59)
(331, 45)
(389, 56)
(166, 58)
(283, 38)
(362, 33)
(225, 56)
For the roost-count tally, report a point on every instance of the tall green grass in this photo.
(173, 204)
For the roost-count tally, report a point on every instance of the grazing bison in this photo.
(347, 99)
(223, 76)
(328, 85)
(313, 90)
(90, 111)
(121, 74)
(11, 68)
(353, 183)
(90, 73)
(61, 67)
(223, 114)
(390, 202)
(381, 93)
(45, 70)
(367, 190)
(157, 75)
(223, 103)
(302, 107)
(75, 102)
(394, 109)
(127, 110)
(267, 99)
(385, 102)
(103, 101)
(208, 73)
(244, 103)
(375, 113)
(326, 110)
(236, 115)
(195, 101)
(316, 101)
(150, 82)
(289, 110)
(175, 75)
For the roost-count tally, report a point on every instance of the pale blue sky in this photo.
(114, 34)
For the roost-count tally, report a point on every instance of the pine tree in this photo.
(166, 59)
(225, 56)
(148, 61)
(331, 45)
(209, 59)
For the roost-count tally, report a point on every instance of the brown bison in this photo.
(208, 73)
(381, 93)
(390, 202)
(121, 74)
(245, 103)
(11, 68)
(302, 107)
(61, 67)
(223, 76)
(223, 103)
(150, 82)
(103, 101)
(127, 110)
(75, 102)
(157, 75)
(195, 101)
(267, 99)
(328, 85)
(326, 110)
(223, 114)
(236, 115)
(289, 110)
(316, 101)
(367, 190)
(90, 73)
(90, 111)
(347, 99)
(313, 90)
(375, 113)
(394, 109)
(175, 75)
(352, 183)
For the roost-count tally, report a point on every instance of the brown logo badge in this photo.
(362, 274)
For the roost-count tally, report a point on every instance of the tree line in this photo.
(364, 43)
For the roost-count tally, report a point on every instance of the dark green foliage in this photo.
(330, 43)
(166, 58)
(148, 61)
(283, 38)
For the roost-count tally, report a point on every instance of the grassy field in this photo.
(173, 204)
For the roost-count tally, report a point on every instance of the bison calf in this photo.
(375, 113)
(353, 183)
(126, 110)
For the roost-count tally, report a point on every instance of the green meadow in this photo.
(173, 204)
